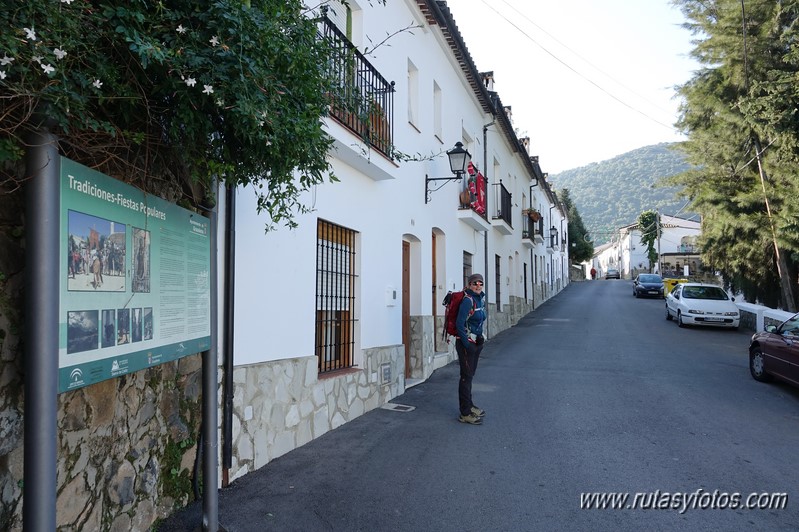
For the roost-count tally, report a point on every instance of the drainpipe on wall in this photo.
(532, 255)
(485, 234)
(227, 353)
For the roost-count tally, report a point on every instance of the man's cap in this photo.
(475, 277)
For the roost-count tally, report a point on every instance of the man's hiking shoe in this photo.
(479, 412)
(470, 419)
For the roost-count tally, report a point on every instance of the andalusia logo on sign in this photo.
(76, 378)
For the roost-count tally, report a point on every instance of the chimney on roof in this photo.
(509, 112)
(488, 80)
(534, 159)
(525, 143)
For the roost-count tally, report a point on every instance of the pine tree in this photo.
(649, 225)
(581, 249)
(739, 112)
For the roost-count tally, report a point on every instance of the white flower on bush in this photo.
(5, 60)
(191, 82)
(97, 84)
(30, 33)
(209, 89)
(59, 54)
(48, 69)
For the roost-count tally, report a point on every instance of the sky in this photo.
(586, 80)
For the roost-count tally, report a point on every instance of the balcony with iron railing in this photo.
(532, 228)
(472, 205)
(363, 100)
(501, 214)
(528, 229)
(553, 243)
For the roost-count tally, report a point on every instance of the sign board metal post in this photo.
(41, 332)
(210, 408)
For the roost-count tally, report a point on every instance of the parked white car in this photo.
(702, 304)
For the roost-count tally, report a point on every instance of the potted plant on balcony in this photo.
(465, 198)
(533, 214)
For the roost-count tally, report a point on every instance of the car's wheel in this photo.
(757, 365)
(679, 319)
(668, 314)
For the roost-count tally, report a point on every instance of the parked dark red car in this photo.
(775, 352)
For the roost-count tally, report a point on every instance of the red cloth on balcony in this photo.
(477, 190)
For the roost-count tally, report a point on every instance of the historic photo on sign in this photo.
(95, 254)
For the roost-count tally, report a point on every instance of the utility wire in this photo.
(586, 78)
(622, 85)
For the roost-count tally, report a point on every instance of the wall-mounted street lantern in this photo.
(553, 235)
(459, 158)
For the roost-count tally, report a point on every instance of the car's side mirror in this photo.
(770, 328)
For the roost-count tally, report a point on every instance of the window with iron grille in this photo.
(525, 281)
(498, 281)
(467, 267)
(335, 296)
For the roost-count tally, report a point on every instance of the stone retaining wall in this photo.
(126, 450)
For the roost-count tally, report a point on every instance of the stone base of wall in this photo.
(284, 404)
(429, 351)
(508, 316)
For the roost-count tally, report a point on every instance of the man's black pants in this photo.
(468, 356)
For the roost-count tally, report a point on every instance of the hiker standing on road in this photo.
(469, 344)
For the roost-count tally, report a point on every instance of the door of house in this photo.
(434, 291)
(406, 305)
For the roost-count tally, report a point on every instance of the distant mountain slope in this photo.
(611, 194)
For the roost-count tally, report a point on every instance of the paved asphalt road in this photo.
(593, 392)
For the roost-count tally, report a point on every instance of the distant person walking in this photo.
(468, 345)
(593, 273)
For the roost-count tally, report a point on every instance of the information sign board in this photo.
(134, 279)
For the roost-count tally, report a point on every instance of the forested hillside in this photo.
(612, 193)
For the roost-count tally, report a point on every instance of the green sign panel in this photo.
(134, 279)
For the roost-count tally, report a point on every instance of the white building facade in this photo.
(676, 247)
(340, 315)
